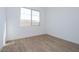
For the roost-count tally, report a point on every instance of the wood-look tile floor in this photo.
(42, 43)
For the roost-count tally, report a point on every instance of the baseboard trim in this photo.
(26, 37)
(59, 37)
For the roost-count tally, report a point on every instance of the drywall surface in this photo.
(2, 26)
(15, 31)
(63, 23)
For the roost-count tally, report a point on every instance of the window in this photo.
(35, 17)
(25, 17)
(29, 17)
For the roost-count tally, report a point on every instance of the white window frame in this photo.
(31, 16)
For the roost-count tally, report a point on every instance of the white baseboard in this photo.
(60, 37)
(24, 37)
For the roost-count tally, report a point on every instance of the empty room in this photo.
(39, 29)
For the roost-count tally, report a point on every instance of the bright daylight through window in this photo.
(29, 17)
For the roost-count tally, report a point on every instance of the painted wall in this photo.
(63, 23)
(15, 31)
(2, 26)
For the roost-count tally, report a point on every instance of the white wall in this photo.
(63, 23)
(2, 26)
(15, 31)
(60, 22)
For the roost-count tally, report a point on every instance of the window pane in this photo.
(25, 17)
(35, 17)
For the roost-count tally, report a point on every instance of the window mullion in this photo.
(31, 17)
